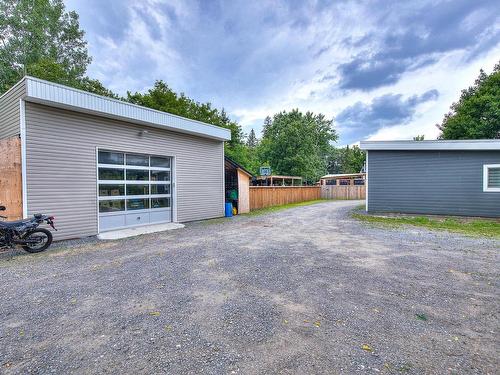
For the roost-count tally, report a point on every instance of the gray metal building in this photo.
(99, 164)
(434, 177)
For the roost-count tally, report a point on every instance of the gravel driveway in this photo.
(302, 291)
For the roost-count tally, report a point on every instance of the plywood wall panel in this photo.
(11, 178)
(243, 192)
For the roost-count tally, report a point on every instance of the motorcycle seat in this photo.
(7, 224)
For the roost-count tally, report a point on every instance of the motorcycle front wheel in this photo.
(40, 240)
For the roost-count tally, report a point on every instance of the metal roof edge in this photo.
(470, 144)
(55, 94)
(237, 165)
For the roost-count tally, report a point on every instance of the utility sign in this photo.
(265, 171)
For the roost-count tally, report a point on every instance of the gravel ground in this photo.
(302, 291)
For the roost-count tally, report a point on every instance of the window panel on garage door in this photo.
(133, 189)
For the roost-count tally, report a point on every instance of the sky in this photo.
(382, 70)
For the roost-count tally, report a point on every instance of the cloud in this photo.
(131, 44)
(368, 74)
(361, 120)
(257, 58)
(417, 38)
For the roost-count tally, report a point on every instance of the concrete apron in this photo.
(136, 231)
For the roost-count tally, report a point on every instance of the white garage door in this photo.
(133, 189)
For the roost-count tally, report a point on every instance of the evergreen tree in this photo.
(267, 123)
(252, 141)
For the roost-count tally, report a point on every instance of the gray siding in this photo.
(9, 111)
(431, 182)
(61, 166)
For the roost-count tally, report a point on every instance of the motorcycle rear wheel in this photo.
(45, 239)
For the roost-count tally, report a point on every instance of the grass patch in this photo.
(472, 227)
(421, 317)
(267, 210)
(261, 211)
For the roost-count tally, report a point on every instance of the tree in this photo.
(346, 160)
(163, 98)
(95, 86)
(253, 160)
(419, 137)
(477, 113)
(297, 144)
(39, 37)
(54, 72)
(252, 141)
(267, 123)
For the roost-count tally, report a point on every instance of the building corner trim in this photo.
(22, 118)
(366, 183)
(173, 181)
(223, 180)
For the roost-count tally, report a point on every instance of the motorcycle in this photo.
(25, 233)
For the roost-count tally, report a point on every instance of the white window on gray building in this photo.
(491, 177)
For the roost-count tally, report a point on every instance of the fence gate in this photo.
(343, 192)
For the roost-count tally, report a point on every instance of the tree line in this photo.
(40, 38)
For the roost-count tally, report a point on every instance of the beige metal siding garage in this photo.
(61, 167)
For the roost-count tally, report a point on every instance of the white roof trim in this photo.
(475, 144)
(56, 95)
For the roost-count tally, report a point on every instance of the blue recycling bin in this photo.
(229, 210)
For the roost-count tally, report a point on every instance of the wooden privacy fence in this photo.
(267, 196)
(343, 192)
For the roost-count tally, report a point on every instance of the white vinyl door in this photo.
(133, 189)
